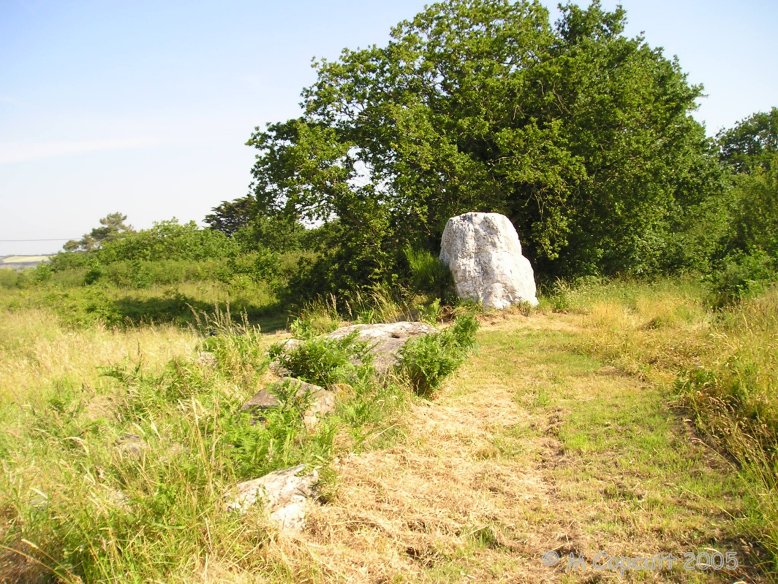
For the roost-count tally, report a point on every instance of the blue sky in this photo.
(144, 107)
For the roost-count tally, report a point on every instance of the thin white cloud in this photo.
(14, 152)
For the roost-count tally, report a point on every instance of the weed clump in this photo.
(324, 361)
(426, 361)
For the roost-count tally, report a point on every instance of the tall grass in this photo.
(120, 444)
(723, 366)
(38, 354)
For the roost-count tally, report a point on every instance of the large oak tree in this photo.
(581, 135)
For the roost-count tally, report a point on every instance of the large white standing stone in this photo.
(483, 252)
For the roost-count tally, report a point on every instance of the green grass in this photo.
(84, 306)
(78, 504)
(719, 367)
(118, 441)
(621, 470)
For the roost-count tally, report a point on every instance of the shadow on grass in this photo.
(180, 310)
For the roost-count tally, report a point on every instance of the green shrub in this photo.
(426, 361)
(93, 275)
(324, 361)
(9, 278)
(739, 276)
(429, 274)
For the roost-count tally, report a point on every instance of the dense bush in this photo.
(325, 361)
(746, 259)
(10, 278)
(168, 240)
(741, 275)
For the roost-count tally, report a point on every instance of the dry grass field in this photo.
(572, 446)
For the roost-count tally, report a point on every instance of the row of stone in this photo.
(483, 253)
(285, 493)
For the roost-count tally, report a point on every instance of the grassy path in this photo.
(533, 451)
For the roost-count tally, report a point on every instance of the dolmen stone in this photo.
(385, 339)
(483, 252)
(285, 495)
(319, 401)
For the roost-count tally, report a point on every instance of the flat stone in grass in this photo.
(285, 495)
(131, 446)
(320, 401)
(385, 339)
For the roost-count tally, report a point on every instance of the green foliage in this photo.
(323, 361)
(168, 240)
(163, 253)
(354, 252)
(231, 216)
(748, 252)
(278, 442)
(427, 360)
(429, 274)
(140, 276)
(751, 142)
(739, 276)
(756, 212)
(576, 132)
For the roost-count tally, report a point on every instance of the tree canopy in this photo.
(751, 142)
(579, 134)
(231, 216)
(111, 226)
(750, 150)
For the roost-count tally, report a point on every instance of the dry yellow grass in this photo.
(23, 259)
(36, 352)
(501, 468)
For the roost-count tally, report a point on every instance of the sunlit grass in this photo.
(722, 364)
(78, 504)
(38, 353)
